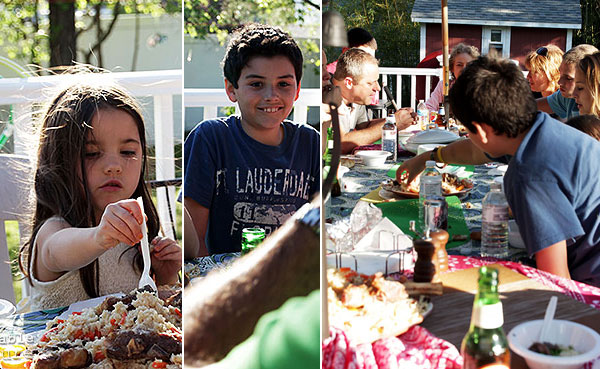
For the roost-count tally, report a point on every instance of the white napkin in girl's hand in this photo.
(380, 238)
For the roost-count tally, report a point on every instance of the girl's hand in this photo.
(166, 260)
(120, 222)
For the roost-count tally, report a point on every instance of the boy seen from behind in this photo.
(256, 169)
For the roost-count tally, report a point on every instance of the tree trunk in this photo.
(62, 32)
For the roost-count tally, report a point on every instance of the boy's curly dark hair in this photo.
(259, 40)
(493, 91)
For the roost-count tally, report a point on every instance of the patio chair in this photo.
(14, 197)
(167, 184)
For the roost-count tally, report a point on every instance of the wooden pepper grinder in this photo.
(439, 238)
(425, 270)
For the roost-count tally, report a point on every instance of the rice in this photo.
(90, 327)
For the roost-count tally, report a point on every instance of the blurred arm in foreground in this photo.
(222, 309)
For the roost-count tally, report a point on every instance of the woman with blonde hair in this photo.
(460, 56)
(587, 85)
(543, 65)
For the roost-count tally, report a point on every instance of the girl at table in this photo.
(543, 65)
(587, 85)
(460, 56)
(87, 225)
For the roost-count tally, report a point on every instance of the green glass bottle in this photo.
(485, 345)
(251, 237)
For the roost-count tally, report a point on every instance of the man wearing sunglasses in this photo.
(562, 102)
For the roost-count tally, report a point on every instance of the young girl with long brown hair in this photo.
(86, 229)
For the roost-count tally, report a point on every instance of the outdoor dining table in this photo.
(524, 290)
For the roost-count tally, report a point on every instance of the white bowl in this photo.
(373, 158)
(563, 332)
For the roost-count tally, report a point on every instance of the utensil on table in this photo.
(548, 317)
(145, 279)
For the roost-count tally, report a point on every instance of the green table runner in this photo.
(401, 212)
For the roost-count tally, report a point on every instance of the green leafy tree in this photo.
(220, 17)
(41, 31)
(389, 22)
(590, 24)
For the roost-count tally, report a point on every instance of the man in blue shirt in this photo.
(551, 183)
(562, 102)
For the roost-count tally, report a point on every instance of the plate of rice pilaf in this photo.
(136, 331)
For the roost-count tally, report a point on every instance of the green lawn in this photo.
(12, 235)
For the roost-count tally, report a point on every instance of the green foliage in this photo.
(24, 33)
(25, 24)
(220, 17)
(12, 239)
(590, 24)
(389, 22)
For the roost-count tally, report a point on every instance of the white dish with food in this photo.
(373, 158)
(584, 340)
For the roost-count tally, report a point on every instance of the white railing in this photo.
(397, 73)
(23, 93)
(211, 99)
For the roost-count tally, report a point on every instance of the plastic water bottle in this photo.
(422, 115)
(494, 223)
(389, 137)
(430, 185)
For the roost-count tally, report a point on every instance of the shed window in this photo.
(497, 38)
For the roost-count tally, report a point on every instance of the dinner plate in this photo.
(392, 190)
(425, 308)
(85, 304)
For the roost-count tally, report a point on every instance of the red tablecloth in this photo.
(576, 290)
(418, 348)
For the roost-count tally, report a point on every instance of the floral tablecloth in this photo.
(200, 266)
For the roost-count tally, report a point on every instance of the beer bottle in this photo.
(485, 345)
(251, 237)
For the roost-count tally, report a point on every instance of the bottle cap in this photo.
(430, 163)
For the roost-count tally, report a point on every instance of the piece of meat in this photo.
(47, 361)
(75, 358)
(389, 290)
(129, 344)
(175, 300)
(355, 296)
(109, 303)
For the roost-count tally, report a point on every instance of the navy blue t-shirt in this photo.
(553, 188)
(245, 183)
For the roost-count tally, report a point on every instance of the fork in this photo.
(145, 279)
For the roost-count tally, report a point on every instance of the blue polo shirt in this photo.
(553, 188)
(564, 107)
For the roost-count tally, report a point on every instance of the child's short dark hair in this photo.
(589, 124)
(359, 37)
(495, 92)
(259, 40)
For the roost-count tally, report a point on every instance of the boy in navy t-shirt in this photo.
(256, 169)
